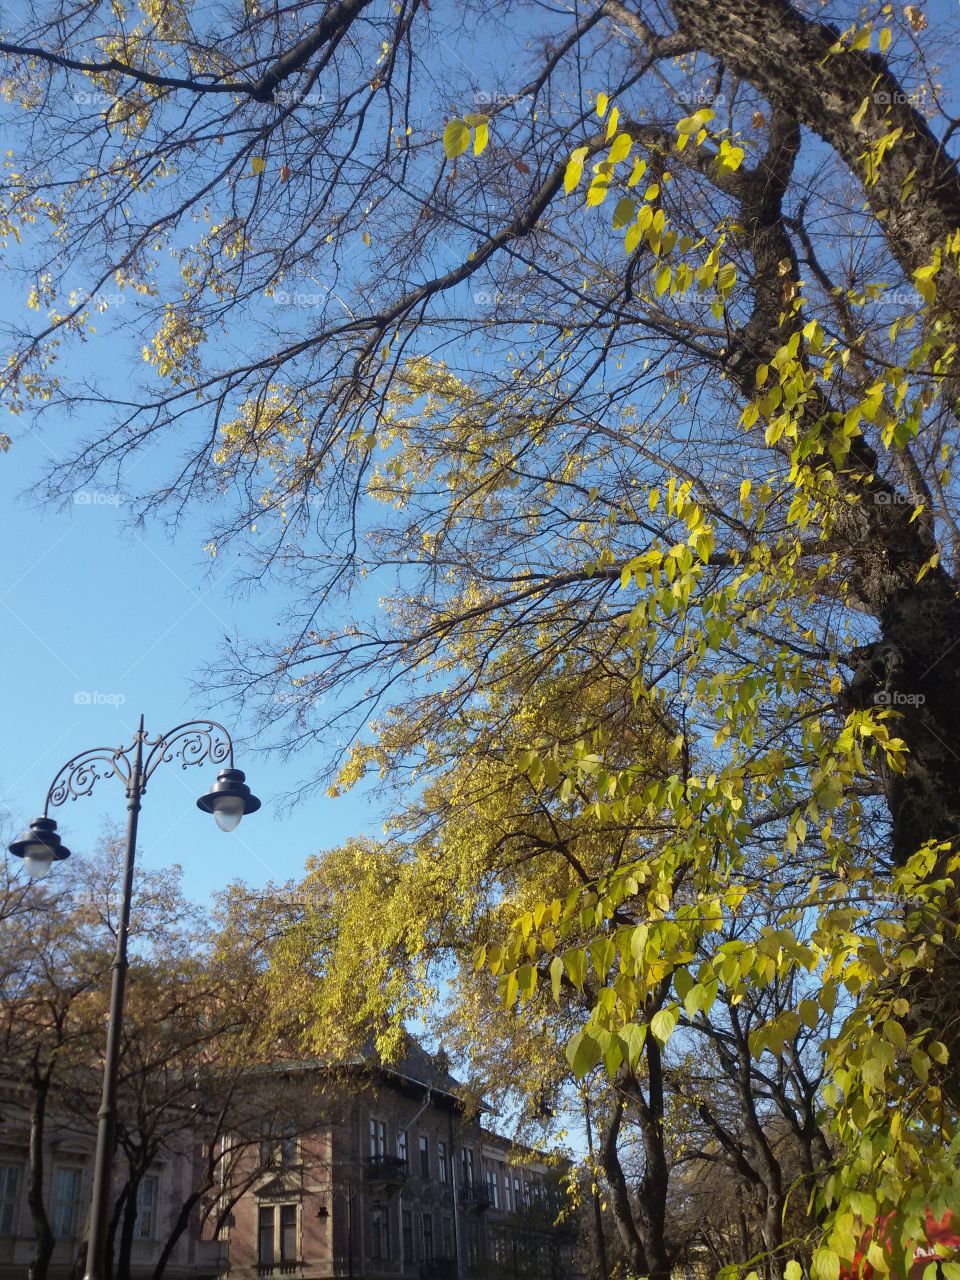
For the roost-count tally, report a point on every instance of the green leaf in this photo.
(575, 964)
(682, 982)
(633, 1037)
(480, 137)
(456, 138)
(809, 1012)
(938, 1052)
(624, 212)
(825, 1265)
(663, 1023)
(613, 1055)
(556, 974)
(583, 1054)
(699, 999)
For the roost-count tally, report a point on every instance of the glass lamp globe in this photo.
(229, 799)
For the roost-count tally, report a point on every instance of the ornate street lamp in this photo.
(196, 742)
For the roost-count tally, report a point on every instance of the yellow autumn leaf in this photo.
(456, 138)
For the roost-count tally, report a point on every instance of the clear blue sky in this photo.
(101, 623)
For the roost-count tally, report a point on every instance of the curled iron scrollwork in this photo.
(195, 742)
(79, 774)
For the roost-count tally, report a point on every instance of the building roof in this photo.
(415, 1067)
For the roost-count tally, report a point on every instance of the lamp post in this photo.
(196, 742)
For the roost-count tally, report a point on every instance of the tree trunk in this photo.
(619, 1194)
(43, 1249)
(602, 1264)
(128, 1220)
(179, 1227)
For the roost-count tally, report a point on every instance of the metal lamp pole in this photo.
(195, 742)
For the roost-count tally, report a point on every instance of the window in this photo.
(265, 1234)
(448, 1250)
(288, 1232)
(276, 1233)
(493, 1188)
(378, 1137)
(443, 1170)
(9, 1189)
(425, 1157)
(402, 1147)
(277, 1147)
(517, 1197)
(526, 1193)
(427, 1237)
(407, 1230)
(506, 1191)
(66, 1203)
(147, 1192)
(380, 1234)
(466, 1157)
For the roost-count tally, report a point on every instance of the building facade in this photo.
(67, 1186)
(360, 1172)
(397, 1182)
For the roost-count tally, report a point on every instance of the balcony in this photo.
(475, 1197)
(279, 1268)
(385, 1171)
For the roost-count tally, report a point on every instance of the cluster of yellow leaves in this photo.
(173, 348)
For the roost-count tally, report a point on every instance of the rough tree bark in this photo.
(43, 1248)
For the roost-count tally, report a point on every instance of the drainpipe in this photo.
(406, 1134)
(454, 1174)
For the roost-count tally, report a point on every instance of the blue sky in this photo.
(101, 622)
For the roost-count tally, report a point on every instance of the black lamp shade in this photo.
(229, 799)
(40, 842)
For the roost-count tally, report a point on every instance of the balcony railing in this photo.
(474, 1196)
(388, 1171)
(280, 1268)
